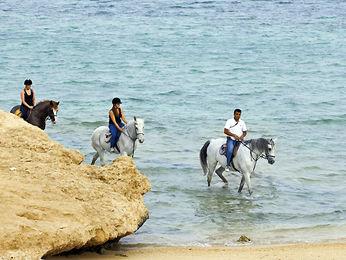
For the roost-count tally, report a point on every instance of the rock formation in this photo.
(52, 202)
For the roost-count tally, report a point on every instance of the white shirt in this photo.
(235, 127)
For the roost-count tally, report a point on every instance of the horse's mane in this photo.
(260, 144)
(42, 102)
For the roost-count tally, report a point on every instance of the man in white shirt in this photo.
(235, 129)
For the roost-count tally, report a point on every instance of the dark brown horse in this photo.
(40, 113)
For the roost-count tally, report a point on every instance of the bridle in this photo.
(266, 156)
(133, 139)
(52, 114)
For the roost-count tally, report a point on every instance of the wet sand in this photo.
(322, 251)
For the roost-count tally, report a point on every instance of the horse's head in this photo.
(53, 110)
(270, 151)
(139, 125)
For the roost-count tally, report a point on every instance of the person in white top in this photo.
(236, 130)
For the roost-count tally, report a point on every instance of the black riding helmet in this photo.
(28, 82)
(116, 101)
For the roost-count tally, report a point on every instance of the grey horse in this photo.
(134, 130)
(244, 161)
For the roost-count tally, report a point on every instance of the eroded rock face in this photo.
(51, 202)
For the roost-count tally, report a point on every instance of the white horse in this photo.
(244, 161)
(127, 141)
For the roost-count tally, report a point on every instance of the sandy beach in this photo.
(293, 251)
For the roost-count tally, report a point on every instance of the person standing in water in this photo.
(117, 122)
(27, 97)
(236, 130)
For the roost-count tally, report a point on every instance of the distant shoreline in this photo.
(335, 250)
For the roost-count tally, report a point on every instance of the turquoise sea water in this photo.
(184, 66)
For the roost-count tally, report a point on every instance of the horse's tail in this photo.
(203, 157)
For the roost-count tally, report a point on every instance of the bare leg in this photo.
(241, 184)
(95, 157)
(219, 172)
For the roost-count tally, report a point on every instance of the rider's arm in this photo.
(244, 130)
(33, 97)
(23, 99)
(123, 116)
(111, 114)
(227, 132)
(243, 135)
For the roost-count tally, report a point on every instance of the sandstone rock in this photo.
(52, 202)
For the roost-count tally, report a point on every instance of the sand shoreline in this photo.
(333, 250)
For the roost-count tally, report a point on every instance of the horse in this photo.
(127, 141)
(244, 161)
(40, 113)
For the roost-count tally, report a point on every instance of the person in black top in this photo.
(27, 97)
(117, 122)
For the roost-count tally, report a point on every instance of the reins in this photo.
(258, 155)
(126, 132)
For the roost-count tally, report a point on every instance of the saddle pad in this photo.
(18, 113)
(108, 136)
(223, 149)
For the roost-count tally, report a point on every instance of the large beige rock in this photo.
(51, 202)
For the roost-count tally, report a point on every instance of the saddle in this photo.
(108, 136)
(18, 112)
(223, 149)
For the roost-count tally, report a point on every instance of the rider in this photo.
(117, 122)
(27, 97)
(235, 129)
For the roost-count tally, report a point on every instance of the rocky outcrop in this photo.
(52, 202)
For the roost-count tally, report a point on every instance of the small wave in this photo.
(326, 17)
(253, 93)
(305, 179)
(136, 99)
(285, 2)
(93, 123)
(296, 229)
(314, 168)
(170, 93)
(202, 2)
(325, 121)
(328, 103)
(101, 13)
(181, 7)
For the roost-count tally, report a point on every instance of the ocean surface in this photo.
(184, 66)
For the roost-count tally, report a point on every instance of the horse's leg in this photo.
(246, 175)
(219, 172)
(95, 157)
(102, 158)
(242, 182)
(211, 168)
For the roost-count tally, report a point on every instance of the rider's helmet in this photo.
(27, 82)
(116, 101)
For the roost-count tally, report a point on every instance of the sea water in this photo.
(184, 66)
